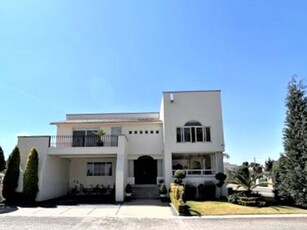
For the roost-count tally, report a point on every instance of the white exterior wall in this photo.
(78, 172)
(53, 172)
(204, 107)
(144, 144)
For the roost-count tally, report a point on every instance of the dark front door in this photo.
(145, 170)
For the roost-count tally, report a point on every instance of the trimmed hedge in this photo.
(30, 178)
(10, 181)
(2, 160)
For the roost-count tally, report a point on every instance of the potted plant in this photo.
(100, 133)
(163, 192)
(128, 191)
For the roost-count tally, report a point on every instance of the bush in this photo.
(10, 181)
(2, 160)
(30, 179)
(179, 174)
(128, 188)
(163, 189)
(189, 192)
(206, 191)
(233, 198)
(210, 191)
(201, 192)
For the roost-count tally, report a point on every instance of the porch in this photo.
(197, 166)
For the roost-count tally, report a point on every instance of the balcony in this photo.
(86, 146)
(83, 141)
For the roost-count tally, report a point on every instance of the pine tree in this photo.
(10, 181)
(291, 175)
(2, 160)
(30, 178)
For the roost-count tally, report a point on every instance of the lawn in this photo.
(225, 208)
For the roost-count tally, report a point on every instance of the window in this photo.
(157, 131)
(151, 131)
(130, 132)
(84, 138)
(193, 132)
(146, 132)
(135, 132)
(99, 169)
(141, 132)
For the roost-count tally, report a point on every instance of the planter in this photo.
(163, 197)
(128, 196)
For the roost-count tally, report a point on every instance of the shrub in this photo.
(209, 191)
(189, 192)
(10, 181)
(128, 188)
(179, 174)
(30, 179)
(2, 160)
(233, 198)
(163, 189)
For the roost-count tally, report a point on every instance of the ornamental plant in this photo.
(10, 181)
(180, 175)
(30, 178)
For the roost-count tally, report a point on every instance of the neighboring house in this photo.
(138, 148)
(229, 166)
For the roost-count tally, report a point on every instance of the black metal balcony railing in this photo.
(83, 141)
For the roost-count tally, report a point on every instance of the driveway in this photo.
(136, 208)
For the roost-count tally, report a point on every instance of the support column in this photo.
(168, 167)
(121, 170)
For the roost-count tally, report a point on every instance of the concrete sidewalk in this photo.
(137, 208)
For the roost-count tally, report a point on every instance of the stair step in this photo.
(145, 191)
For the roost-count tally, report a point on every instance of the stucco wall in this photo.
(78, 172)
(204, 107)
(53, 172)
(138, 144)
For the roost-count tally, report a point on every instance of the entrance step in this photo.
(145, 191)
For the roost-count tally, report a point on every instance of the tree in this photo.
(10, 181)
(2, 160)
(268, 165)
(246, 176)
(30, 178)
(291, 174)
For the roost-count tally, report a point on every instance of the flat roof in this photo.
(193, 91)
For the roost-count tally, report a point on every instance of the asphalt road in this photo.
(185, 223)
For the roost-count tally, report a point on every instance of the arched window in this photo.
(192, 123)
(193, 131)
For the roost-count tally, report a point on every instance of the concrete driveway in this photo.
(137, 208)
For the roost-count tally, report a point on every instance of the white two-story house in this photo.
(138, 148)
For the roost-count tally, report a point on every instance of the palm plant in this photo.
(246, 177)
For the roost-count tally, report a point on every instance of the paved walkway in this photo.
(137, 208)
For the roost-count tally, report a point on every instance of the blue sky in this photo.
(59, 57)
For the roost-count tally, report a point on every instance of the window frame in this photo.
(193, 134)
(101, 168)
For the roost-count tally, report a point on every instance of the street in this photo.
(58, 223)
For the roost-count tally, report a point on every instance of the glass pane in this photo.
(108, 169)
(78, 138)
(179, 135)
(199, 134)
(193, 134)
(187, 135)
(208, 134)
(91, 138)
(89, 169)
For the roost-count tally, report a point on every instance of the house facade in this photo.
(137, 148)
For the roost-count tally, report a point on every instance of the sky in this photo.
(59, 57)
